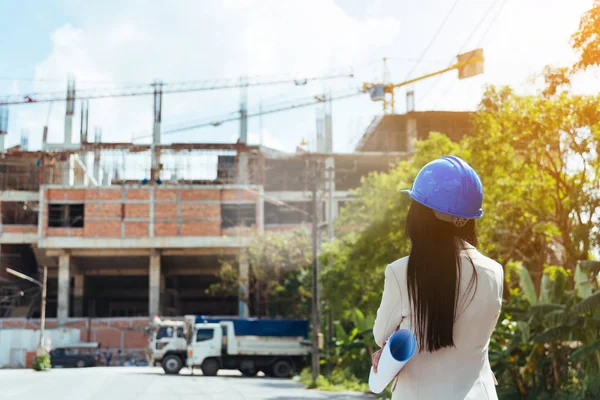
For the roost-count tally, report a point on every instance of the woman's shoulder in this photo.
(398, 266)
(484, 262)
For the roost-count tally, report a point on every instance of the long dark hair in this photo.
(433, 275)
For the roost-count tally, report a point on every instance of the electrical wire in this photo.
(435, 35)
(493, 21)
(481, 20)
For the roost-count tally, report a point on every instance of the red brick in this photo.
(65, 194)
(19, 228)
(200, 210)
(139, 322)
(102, 229)
(108, 337)
(165, 194)
(99, 323)
(165, 229)
(137, 229)
(120, 323)
(51, 324)
(103, 210)
(29, 356)
(135, 340)
(77, 232)
(134, 210)
(13, 323)
(32, 325)
(238, 195)
(165, 210)
(81, 324)
(199, 194)
(56, 232)
(21, 323)
(103, 194)
(55, 195)
(201, 228)
(137, 194)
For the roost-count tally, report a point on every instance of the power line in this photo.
(478, 44)
(439, 30)
(481, 20)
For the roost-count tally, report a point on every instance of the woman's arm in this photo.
(389, 314)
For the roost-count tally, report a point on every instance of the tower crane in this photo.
(284, 106)
(165, 88)
(468, 65)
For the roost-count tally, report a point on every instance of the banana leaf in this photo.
(585, 351)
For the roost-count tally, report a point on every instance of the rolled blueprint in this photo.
(396, 353)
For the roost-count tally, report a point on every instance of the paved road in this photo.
(144, 383)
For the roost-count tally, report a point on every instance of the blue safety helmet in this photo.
(450, 186)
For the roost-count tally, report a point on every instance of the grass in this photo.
(339, 381)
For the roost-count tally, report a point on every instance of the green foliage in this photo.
(42, 363)
(538, 158)
(586, 41)
(550, 348)
(279, 277)
(355, 263)
(338, 381)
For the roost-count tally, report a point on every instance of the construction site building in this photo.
(120, 245)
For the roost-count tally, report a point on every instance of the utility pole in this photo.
(41, 349)
(316, 322)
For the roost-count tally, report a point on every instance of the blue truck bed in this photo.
(263, 327)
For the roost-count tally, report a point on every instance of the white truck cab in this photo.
(168, 345)
(276, 348)
(206, 347)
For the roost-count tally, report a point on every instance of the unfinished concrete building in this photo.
(399, 132)
(121, 240)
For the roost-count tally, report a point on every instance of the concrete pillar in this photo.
(243, 177)
(244, 294)
(78, 295)
(260, 210)
(411, 134)
(154, 284)
(64, 265)
(331, 208)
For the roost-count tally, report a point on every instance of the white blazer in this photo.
(459, 373)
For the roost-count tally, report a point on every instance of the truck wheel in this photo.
(249, 372)
(172, 365)
(210, 367)
(282, 369)
(80, 364)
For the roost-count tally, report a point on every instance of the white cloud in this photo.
(197, 40)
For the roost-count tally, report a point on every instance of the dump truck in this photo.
(276, 347)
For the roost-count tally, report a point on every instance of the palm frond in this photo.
(588, 304)
(550, 334)
(585, 351)
(526, 285)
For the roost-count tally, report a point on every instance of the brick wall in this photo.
(116, 333)
(127, 335)
(145, 211)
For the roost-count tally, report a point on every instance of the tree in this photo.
(539, 156)
(548, 342)
(586, 41)
(279, 275)
(355, 263)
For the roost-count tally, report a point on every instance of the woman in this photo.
(446, 292)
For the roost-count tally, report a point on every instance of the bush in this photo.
(339, 381)
(42, 363)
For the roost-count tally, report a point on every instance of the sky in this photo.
(136, 42)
